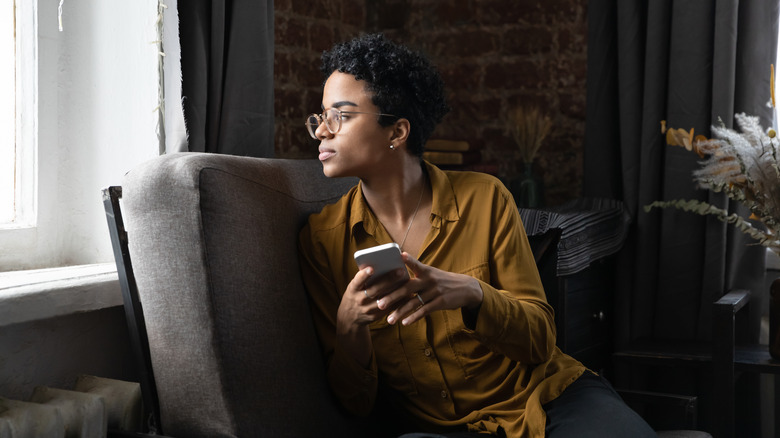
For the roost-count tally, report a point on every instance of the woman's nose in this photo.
(322, 131)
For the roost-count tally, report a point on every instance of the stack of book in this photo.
(456, 155)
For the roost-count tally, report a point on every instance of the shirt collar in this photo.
(444, 206)
(360, 212)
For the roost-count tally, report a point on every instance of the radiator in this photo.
(94, 406)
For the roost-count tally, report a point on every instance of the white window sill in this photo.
(45, 293)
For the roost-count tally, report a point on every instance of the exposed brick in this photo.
(354, 13)
(488, 110)
(492, 54)
(572, 40)
(305, 71)
(519, 74)
(570, 73)
(541, 100)
(560, 8)
(448, 13)
(280, 139)
(333, 11)
(291, 32)
(288, 103)
(459, 126)
(439, 50)
(281, 67)
(498, 12)
(313, 9)
(525, 40)
(387, 14)
(308, 145)
(473, 42)
(497, 139)
(461, 75)
(282, 6)
(322, 37)
(573, 105)
(311, 102)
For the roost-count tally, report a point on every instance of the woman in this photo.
(467, 345)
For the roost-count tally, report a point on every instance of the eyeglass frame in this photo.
(321, 119)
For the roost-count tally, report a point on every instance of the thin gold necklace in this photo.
(422, 190)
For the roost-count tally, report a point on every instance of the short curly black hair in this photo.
(404, 83)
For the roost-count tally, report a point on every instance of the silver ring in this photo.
(365, 291)
(421, 300)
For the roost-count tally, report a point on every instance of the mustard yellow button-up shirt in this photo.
(442, 373)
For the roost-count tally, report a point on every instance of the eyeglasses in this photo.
(332, 118)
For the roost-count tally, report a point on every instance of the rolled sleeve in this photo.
(520, 329)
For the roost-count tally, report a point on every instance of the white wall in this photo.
(98, 82)
(54, 352)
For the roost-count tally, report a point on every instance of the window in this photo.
(7, 111)
(18, 90)
(85, 100)
(777, 66)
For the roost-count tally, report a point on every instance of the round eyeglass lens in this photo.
(332, 120)
(312, 123)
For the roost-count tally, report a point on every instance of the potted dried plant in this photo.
(744, 165)
(528, 126)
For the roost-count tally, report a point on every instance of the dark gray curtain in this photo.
(689, 63)
(227, 55)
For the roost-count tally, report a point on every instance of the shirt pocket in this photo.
(392, 364)
(471, 355)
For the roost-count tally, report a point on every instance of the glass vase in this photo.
(527, 188)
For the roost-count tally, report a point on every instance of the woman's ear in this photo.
(401, 131)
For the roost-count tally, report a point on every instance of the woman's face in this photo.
(359, 147)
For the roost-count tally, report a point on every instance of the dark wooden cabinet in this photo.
(583, 311)
(577, 271)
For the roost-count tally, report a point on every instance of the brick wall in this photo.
(492, 54)
(303, 30)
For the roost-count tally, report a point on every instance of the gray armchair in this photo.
(206, 250)
(231, 347)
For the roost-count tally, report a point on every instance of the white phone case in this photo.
(383, 258)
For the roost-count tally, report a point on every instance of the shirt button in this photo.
(427, 352)
(444, 394)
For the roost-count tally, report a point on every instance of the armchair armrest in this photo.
(724, 331)
(682, 409)
(723, 356)
(733, 301)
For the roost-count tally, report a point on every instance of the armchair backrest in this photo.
(213, 241)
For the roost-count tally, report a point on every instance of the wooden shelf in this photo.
(672, 353)
(755, 359)
(748, 358)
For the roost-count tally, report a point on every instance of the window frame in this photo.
(26, 105)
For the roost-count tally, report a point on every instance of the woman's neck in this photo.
(394, 193)
(399, 199)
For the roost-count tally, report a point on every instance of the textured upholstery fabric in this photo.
(213, 244)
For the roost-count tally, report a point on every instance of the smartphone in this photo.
(383, 258)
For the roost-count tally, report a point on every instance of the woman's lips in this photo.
(326, 153)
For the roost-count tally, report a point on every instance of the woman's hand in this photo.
(431, 289)
(359, 303)
(358, 308)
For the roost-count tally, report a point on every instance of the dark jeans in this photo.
(444, 435)
(589, 407)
